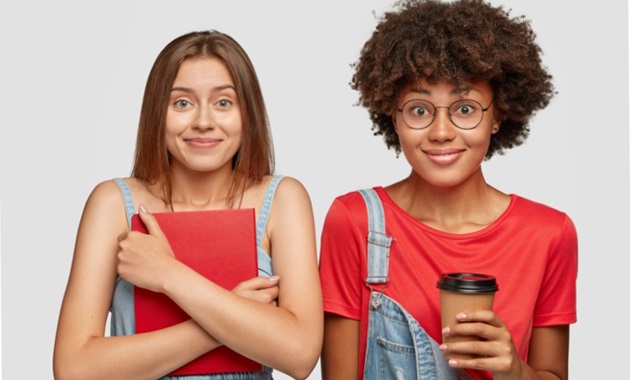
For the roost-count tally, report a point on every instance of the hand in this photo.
(143, 259)
(260, 289)
(495, 348)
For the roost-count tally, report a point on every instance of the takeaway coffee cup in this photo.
(460, 292)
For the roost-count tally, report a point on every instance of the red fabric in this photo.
(531, 249)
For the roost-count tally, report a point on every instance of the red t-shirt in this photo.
(531, 249)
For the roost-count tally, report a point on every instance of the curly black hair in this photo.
(454, 42)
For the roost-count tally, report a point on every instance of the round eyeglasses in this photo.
(464, 114)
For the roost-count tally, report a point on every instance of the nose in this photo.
(442, 128)
(204, 119)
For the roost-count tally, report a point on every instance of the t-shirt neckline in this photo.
(385, 198)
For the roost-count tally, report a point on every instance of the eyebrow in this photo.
(215, 89)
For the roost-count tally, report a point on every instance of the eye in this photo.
(181, 103)
(224, 103)
(418, 109)
(465, 108)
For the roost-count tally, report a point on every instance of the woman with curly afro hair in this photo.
(448, 85)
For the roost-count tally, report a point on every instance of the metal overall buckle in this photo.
(376, 295)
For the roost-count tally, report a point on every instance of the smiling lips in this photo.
(444, 156)
(202, 143)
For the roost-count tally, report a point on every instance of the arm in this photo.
(287, 337)
(340, 353)
(342, 247)
(81, 350)
(549, 352)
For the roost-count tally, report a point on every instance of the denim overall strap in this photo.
(127, 198)
(378, 241)
(123, 316)
(263, 214)
(397, 347)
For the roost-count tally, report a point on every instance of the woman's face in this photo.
(203, 120)
(442, 154)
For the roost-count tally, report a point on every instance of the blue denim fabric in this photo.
(123, 319)
(397, 346)
(265, 374)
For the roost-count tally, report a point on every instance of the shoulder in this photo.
(105, 207)
(287, 188)
(291, 212)
(543, 219)
(348, 211)
(106, 193)
(110, 191)
(287, 196)
(541, 212)
(353, 201)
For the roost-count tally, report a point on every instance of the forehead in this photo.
(424, 87)
(203, 71)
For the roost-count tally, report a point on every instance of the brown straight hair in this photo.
(255, 157)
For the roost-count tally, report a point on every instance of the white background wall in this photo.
(72, 75)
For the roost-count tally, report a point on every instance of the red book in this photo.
(221, 246)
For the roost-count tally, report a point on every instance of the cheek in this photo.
(172, 129)
(410, 139)
(235, 122)
(171, 145)
(235, 128)
(172, 125)
(481, 140)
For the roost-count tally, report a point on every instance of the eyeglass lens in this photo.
(465, 114)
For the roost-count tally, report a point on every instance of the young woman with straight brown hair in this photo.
(203, 144)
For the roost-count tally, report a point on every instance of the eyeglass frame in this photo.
(448, 110)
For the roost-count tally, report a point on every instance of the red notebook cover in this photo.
(221, 246)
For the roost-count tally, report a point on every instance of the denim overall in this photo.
(397, 346)
(123, 320)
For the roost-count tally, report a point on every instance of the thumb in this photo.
(153, 228)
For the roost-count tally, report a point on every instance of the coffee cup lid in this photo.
(473, 283)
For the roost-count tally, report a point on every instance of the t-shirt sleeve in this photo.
(340, 261)
(556, 303)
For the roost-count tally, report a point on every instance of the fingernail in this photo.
(442, 347)
(274, 278)
(452, 362)
(142, 208)
(461, 317)
(446, 331)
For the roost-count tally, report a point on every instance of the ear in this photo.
(496, 125)
(394, 114)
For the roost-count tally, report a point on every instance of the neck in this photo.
(467, 207)
(201, 190)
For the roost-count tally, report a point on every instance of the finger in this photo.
(256, 283)
(485, 359)
(482, 330)
(268, 295)
(272, 282)
(468, 348)
(479, 363)
(486, 316)
(153, 228)
(122, 237)
(263, 282)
